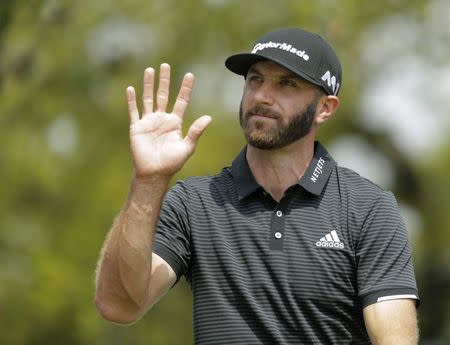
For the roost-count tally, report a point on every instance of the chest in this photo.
(296, 249)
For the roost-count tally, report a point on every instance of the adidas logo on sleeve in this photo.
(330, 240)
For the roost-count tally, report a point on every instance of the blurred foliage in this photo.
(64, 158)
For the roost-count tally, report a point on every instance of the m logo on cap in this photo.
(331, 81)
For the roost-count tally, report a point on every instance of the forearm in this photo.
(123, 273)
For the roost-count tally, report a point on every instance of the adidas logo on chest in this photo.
(330, 240)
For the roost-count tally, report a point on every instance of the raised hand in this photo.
(158, 147)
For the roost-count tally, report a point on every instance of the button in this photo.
(279, 213)
(278, 235)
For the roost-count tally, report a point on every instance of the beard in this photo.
(280, 135)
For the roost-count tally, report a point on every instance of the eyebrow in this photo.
(289, 74)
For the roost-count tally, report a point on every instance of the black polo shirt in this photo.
(295, 272)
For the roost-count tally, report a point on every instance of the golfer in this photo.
(282, 247)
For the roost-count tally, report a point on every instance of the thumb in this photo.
(196, 130)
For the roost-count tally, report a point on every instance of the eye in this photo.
(288, 82)
(254, 78)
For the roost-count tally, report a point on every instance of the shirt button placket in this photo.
(277, 230)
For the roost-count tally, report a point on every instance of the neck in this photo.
(277, 170)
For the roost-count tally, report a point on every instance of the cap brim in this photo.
(240, 64)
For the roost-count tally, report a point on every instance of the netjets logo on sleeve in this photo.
(282, 46)
(331, 82)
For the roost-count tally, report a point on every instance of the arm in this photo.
(392, 322)
(129, 278)
(386, 282)
(125, 268)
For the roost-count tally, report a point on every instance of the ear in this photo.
(326, 108)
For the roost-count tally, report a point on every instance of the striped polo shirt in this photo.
(298, 271)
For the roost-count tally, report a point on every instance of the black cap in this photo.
(302, 52)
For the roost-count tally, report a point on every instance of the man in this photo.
(284, 246)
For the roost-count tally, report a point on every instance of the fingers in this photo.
(196, 130)
(162, 95)
(132, 107)
(147, 95)
(184, 95)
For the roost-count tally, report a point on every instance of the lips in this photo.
(262, 115)
(262, 112)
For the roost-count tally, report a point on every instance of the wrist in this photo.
(148, 189)
(151, 180)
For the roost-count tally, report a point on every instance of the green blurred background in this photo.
(64, 157)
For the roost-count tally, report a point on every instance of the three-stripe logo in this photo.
(330, 240)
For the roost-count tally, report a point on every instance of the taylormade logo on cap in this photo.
(283, 46)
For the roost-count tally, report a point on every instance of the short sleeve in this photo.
(172, 238)
(383, 255)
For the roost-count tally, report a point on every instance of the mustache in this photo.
(264, 111)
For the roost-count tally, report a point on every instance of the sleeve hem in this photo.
(167, 256)
(389, 294)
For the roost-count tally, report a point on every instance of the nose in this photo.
(264, 94)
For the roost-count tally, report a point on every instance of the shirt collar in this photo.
(243, 176)
(319, 170)
(313, 180)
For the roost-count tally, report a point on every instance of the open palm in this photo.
(157, 143)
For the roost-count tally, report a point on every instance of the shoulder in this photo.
(198, 194)
(356, 182)
(358, 186)
(199, 185)
(361, 194)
